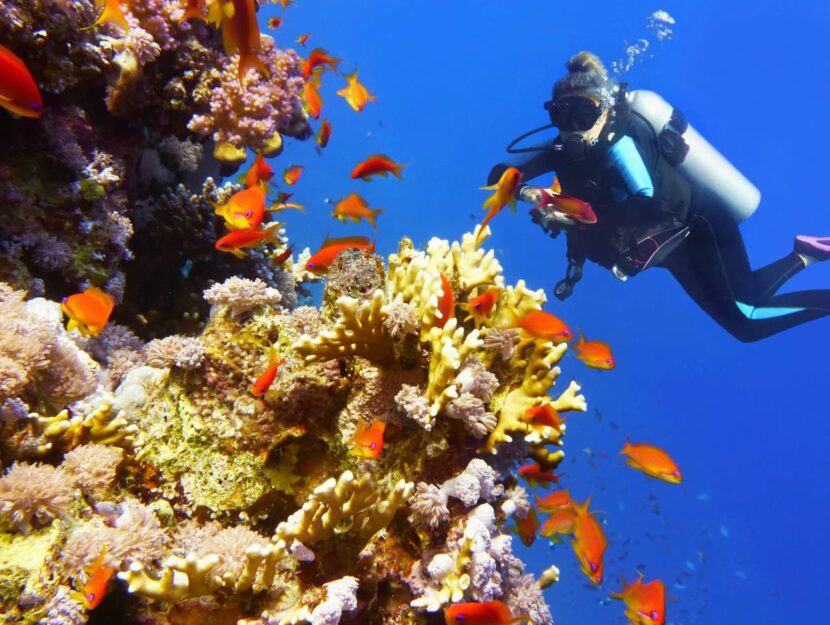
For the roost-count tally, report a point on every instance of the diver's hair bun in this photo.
(587, 62)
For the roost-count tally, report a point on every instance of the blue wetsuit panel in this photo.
(626, 158)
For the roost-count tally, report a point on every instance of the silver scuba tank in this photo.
(713, 177)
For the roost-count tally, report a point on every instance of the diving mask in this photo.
(573, 113)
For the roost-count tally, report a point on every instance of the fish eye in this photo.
(459, 618)
(90, 596)
(373, 446)
(36, 107)
(593, 567)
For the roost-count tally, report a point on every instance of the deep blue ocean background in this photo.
(744, 538)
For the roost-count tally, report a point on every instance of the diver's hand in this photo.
(531, 195)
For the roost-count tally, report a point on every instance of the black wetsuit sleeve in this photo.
(531, 167)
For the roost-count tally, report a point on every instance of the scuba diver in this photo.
(663, 197)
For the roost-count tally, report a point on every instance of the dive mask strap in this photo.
(565, 287)
(539, 148)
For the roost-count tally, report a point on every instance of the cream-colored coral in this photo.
(359, 331)
(411, 280)
(100, 426)
(517, 301)
(540, 373)
(451, 346)
(549, 576)
(452, 576)
(474, 266)
(344, 504)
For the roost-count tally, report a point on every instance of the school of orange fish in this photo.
(244, 215)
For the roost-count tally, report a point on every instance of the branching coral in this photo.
(451, 346)
(241, 295)
(99, 426)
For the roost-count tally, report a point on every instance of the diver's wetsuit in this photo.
(633, 189)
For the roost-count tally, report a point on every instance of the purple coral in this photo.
(93, 467)
(470, 410)
(183, 352)
(429, 506)
(502, 342)
(242, 295)
(250, 112)
(35, 493)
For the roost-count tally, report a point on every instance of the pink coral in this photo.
(93, 467)
(242, 295)
(35, 493)
(231, 544)
(184, 352)
(250, 112)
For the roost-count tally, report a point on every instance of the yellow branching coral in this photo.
(344, 504)
(100, 426)
(412, 280)
(516, 302)
(193, 576)
(540, 373)
(475, 267)
(359, 331)
(451, 346)
(452, 573)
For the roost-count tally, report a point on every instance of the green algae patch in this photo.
(223, 483)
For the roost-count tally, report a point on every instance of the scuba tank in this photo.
(716, 180)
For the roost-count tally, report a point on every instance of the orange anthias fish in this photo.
(283, 256)
(95, 588)
(596, 354)
(446, 303)
(332, 248)
(355, 93)
(284, 3)
(292, 174)
(238, 240)
(266, 379)
(545, 414)
(274, 22)
(193, 11)
(543, 325)
(18, 91)
(504, 193)
(303, 38)
(377, 165)
(259, 173)
(589, 542)
(244, 210)
(526, 527)
(645, 603)
(652, 461)
(534, 476)
(368, 441)
(571, 207)
(486, 613)
(324, 134)
(240, 33)
(312, 101)
(557, 500)
(354, 207)
(88, 311)
(111, 14)
(317, 58)
(480, 307)
(559, 522)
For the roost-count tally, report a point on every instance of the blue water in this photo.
(744, 536)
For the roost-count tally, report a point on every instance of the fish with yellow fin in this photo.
(88, 311)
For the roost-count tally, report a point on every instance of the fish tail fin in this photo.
(372, 217)
(372, 246)
(626, 445)
(249, 60)
(512, 203)
(193, 13)
(112, 14)
(273, 232)
(397, 169)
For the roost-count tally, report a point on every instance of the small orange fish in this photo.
(356, 208)
(543, 325)
(321, 260)
(481, 306)
(652, 461)
(244, 210)
(589, 542)
(377, 165)
(557, 500)
(111, 14)
(266, 379)
(259, 173)
(545, 414)
(240, 33)
(317, 58)
(283, 256)
(96, 586)
(645, 603)
(559, 522)
(526, 527)
(18, 91)
(303, 38)
(193, 11)
(238, 240)
(504, 193)
(368, 441)
(446, 303)
(534, 476)
(88, 311)
(284, 3)
(312, 101)
(274, 22)
(355, 93)
(596, 354)
(486, 613)
(292, 174)
(324, 134)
